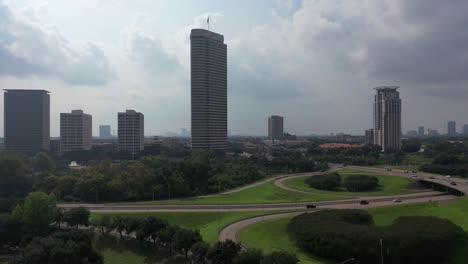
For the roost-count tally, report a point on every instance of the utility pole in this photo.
(381, 251)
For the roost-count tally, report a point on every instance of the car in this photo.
(431, 177)
(363, 202)
(406, 171)
(397, 200)
(448, 176)
(311, 206)
(415, 176)
(414, 171)
(466, 181)
(453, 183)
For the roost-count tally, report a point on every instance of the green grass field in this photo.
(271, 235)
(264, 193)
(390, 185)
(209, 223)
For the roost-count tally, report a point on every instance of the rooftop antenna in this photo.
(208, 22)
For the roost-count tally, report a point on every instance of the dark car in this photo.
(431, 177)
(453, 183)
(311, 206)
(364, 202)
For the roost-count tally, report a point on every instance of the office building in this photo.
(105, 131)
(208, 58)
(76, 131)
(275, 127)
(131, 131)
(412, 133)
(369, 136)
(452, 128)
(421, 131)
(465, 129)
(387, 117)
(433, 132)
(26, 120)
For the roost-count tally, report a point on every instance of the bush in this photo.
(361, 183)
(328, 182)
(345, 234)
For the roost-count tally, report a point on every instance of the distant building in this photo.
(275, 127)
(340, 145)
(105, 131)
(208, 60)
(421, 131)
(452, 128)
(55, 146)
(347, 138)
(76, 130)
(27, 120)
(131, 131)
(387, 117)
(369, 137)
(465, 129)
(412, 133)
(432, 132)
(184, 132)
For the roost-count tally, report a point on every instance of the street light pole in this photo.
(381, 251)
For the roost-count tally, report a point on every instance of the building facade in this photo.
(131, 131)
(387, 117)
(452, 128)
(26, 120)
(76, 131)
(465, 129)
(421, 131)
(208, 58)
(275, 127)
(105, 131)
(369, 137)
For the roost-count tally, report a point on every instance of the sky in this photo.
(315, 62)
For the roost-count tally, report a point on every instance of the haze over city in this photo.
(313, 62)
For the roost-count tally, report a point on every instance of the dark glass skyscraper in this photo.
(27, 120)
(208, 55)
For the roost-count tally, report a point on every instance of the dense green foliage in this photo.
(72, 247)
(330, 181)
(360, 183)
(345, 234)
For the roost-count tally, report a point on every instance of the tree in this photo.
(224, 252)
(77, 216)
(59, 217)
(329, 181)
(13, 177)
(38, 212)
(43, 163)
(361, 183)
(166, 236)
(410, 145)
(185, 238)
(249, 256)
(280, 258)
(103, 223)
(151, 226)
(72, 247)
(199, 252)
(119, 224)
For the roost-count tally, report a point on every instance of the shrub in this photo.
(329, 181)
(361, 183)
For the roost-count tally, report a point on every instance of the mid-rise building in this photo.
(387, 117)
(412, 133)
(105, 131)
(421, 131)
(26, 120)
(369, 136)
(452, 128)
(208, 58)
(131, 131)
(275, 127)
(76, 131)
(433, 132)
(465, 129)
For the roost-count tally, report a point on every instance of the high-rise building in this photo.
(421, 131)
(369, 136)
(387, 117)
(105, 131)
(27, 120)
(465, 129)
(452, 128)
(209, 90)
(76, 131)
(275, 127)
(131, 131)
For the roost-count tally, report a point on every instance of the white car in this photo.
(448, 176)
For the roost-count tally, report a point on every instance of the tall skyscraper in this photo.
(369, 136)
(387, 117)
(76, 131)
(452, 128)
(105, 131)
(465, 129)
(275, 127)
(421, 131)
(27, 120)
(131, 131)
(208, 55)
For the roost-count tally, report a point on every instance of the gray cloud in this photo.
(28, 50)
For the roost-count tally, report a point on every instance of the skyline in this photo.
(303, 73)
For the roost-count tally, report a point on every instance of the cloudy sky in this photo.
(314, 61)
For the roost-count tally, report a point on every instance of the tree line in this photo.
(352, 183)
